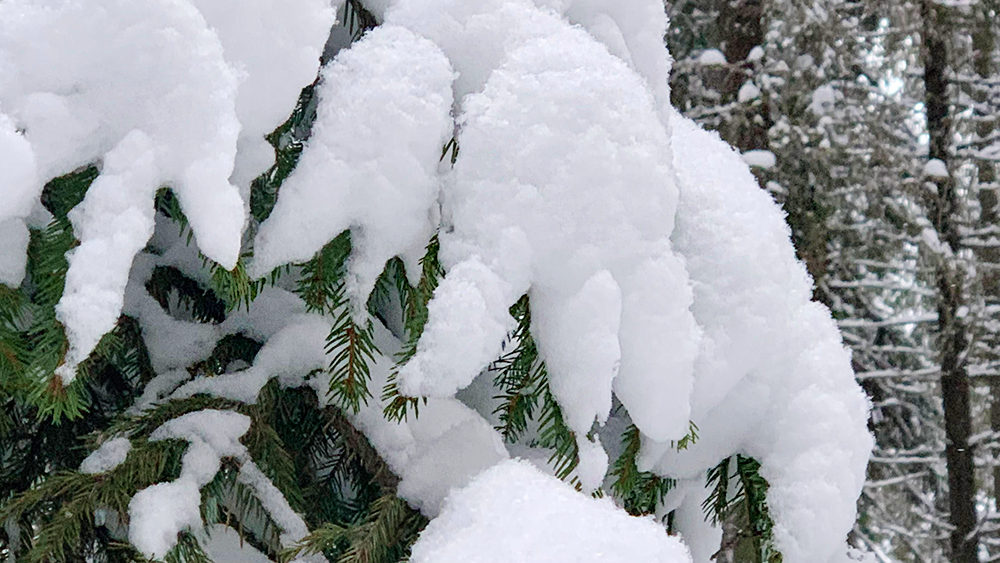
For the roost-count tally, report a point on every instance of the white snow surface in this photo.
(773, 379)
(564, 178)
(110, 455)
(19, 189)
(513, 512)
(274, 48)
(371, 163)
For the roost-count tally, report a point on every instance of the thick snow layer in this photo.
(113, 224)
(110, 455)
(632, 30)
(19, 189)
(145, 87)
(562, 187)
(513, 512)
(274, 47)
(80, 77)
(157, 513)
(371, 163)
(773, 379)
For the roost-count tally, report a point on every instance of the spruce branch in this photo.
(639, 491)
(415, 317)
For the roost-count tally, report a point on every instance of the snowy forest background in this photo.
(875, 125)
(853, 99)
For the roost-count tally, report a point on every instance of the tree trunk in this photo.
(951, 284)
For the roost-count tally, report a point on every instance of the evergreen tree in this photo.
(398, 314)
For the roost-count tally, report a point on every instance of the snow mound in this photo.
(19, 189)
(773, 379)
(371, 163)
(563, 189)
(513, 512)
(144, 86)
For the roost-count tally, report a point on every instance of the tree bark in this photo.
(951, 296)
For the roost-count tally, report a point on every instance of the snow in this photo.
(659, 273)
(371, 163)
(159, 512)
(292, 352)
(274, 47)
(13, 251)
(562, 176)
(225, 545)
(110, 455)
(113, 224)
(164, 93)
(823, 99)
(936, 169)
(19, 187)
(773, 379)
(760, 159)
(293, 528)
(513, 512)
(755, 54)
(79, 80)
(710, 57)
(749, 91)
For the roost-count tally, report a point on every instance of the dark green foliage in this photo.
(640, 491)
(742, 497)
(524, 385)
(351, 347)
(357, 18)
(287, 141)
(62, 194)
(384, 536)
(415, 302)
(167, 281)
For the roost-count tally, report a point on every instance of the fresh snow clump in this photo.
(773, 379)
(88, 81)
(760, 159)
(563, 188)
(513, 512)
(110, 455)
(749, 91)
(936, 169)
(274, 46)
(711, 57)
(19, 189)
(370, 165)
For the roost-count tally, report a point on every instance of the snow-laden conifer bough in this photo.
(663, 287)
